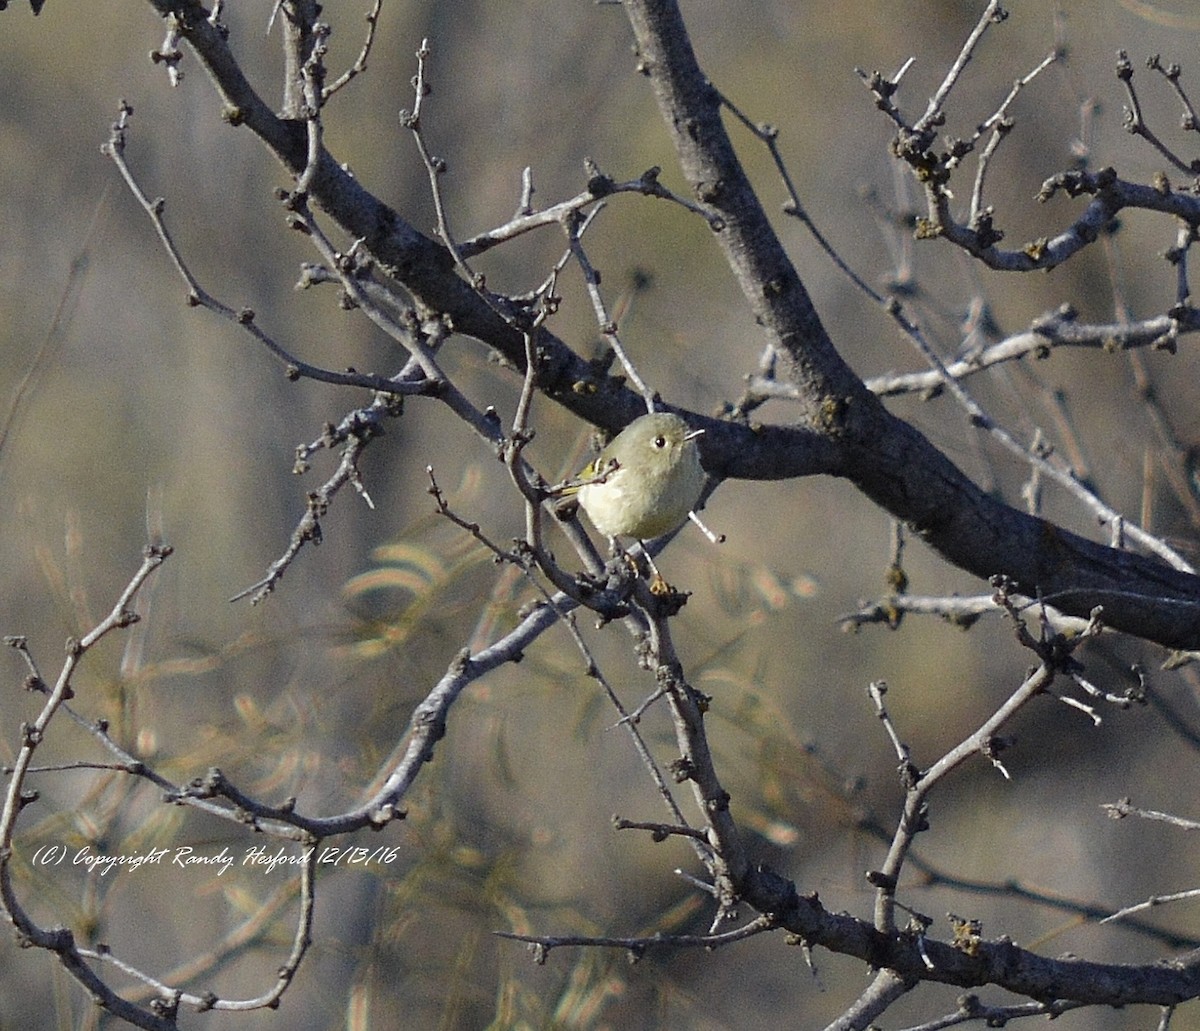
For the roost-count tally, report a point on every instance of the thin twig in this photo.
(360, 63)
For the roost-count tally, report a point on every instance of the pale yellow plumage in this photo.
(644, 483)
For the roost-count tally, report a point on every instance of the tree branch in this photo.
(885, 457)
(842, 430)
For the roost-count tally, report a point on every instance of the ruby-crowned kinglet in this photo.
(646, 481)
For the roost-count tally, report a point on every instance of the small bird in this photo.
(646, 481)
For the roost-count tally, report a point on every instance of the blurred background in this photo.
(131, 416)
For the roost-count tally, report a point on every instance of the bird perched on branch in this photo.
(646, 481)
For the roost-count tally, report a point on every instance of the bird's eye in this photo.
(660, 442)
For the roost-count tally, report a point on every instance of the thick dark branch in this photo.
(691, 109)
(425, 268)
(889, 460)
(843, 430)
(423, 265)
(973, 962)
